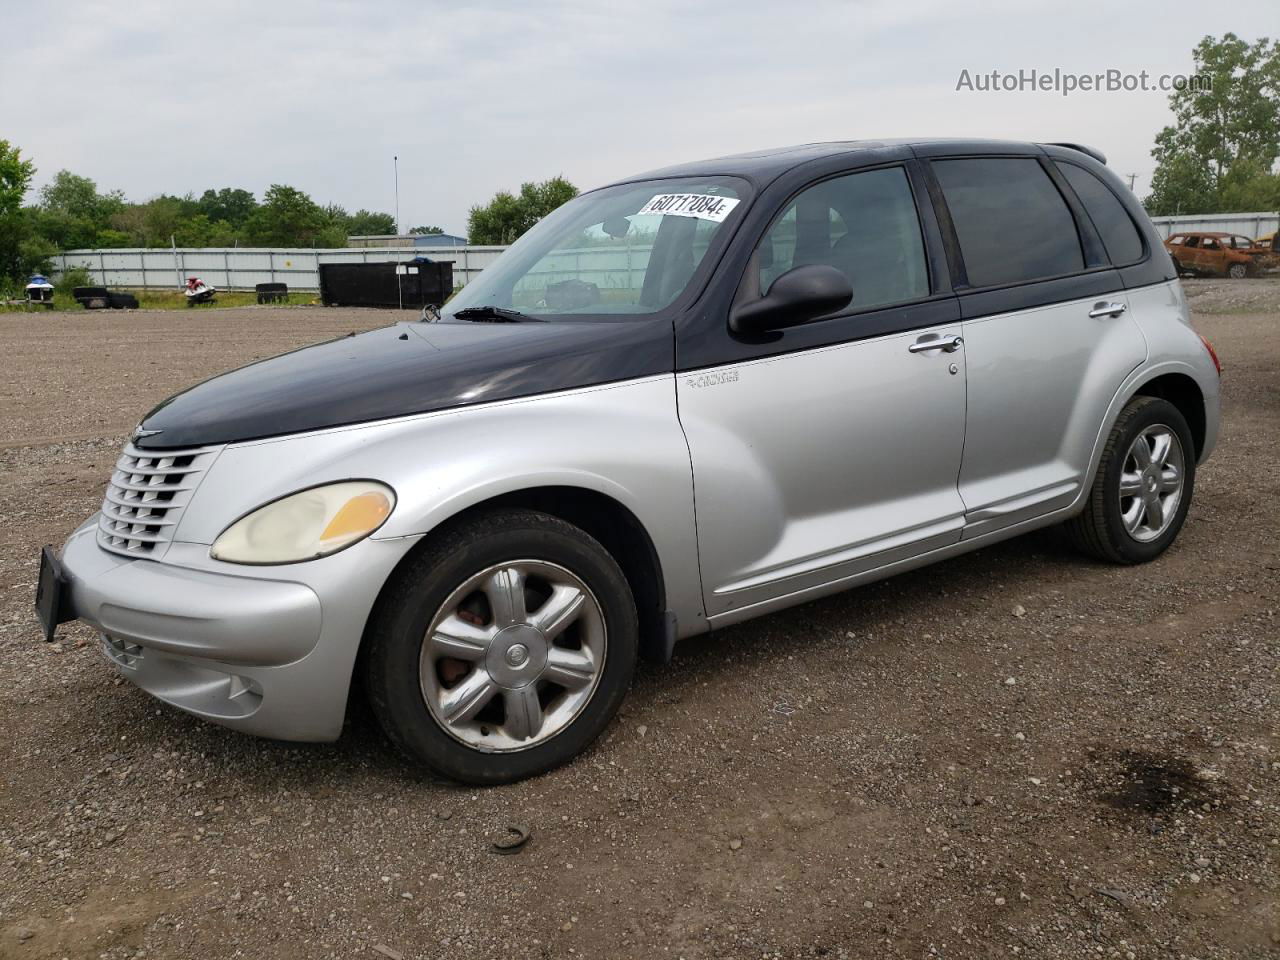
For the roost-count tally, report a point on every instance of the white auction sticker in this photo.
(704, 206)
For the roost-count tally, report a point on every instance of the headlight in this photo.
(306, 525)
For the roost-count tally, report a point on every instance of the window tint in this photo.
(864, 225)
(1012, 223)
(1119, 235)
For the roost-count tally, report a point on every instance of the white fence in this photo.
(1251, 225)
(240, 268)
(611, 267)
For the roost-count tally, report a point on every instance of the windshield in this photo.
(625, 251)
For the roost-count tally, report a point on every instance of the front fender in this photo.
(620, 440)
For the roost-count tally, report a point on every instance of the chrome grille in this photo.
(146, 496)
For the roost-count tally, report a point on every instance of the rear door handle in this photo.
(1104, 309)
(934, 342)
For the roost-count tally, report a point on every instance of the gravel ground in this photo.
(1014, 753)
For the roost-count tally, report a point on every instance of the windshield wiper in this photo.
(491, 314)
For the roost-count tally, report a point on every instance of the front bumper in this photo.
(258, 652)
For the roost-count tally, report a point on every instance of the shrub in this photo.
(72, 278)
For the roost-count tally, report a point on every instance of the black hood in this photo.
(405, 369)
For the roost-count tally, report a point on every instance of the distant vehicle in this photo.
(39, 290)
(197, 291)
(864, 357)
(1215, 254)
(1269, 247)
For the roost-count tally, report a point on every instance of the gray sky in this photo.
(152, 96)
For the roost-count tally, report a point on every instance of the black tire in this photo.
(411, 600)
(1099, 529)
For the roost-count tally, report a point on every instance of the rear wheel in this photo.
(1237, 271)
(1143, 487)
(504, 649)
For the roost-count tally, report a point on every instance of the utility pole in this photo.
(1132, 178)
(395, 160)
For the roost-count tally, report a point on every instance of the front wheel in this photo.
(503, 649)
(1143, 486)
(1237, 271)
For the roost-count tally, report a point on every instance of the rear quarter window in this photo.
(1012, 223)
(1116, 227)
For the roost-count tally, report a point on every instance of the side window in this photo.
(1012, 222)
(1119, 235)
(1176, 240)
(864, 225)
(1209, 243)
(1193, 241)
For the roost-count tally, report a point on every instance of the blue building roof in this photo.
(439, 240)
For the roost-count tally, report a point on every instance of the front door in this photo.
(837, 449)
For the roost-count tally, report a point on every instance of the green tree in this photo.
(366, 223)
(200, 231)
(425, 231)
(1223, 136)
(71, 211)
(15, 180)
(161, 219)
(506, 217)
(287, 217)
(78, 197)
(235, 206)
(109, 238)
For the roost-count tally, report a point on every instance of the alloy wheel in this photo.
(1151, 482)
(513, 655)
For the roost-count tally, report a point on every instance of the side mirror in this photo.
(801, 295)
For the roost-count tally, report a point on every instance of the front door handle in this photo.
(935, 342)
(1104, 309)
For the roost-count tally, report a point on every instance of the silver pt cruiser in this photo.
(680, 401)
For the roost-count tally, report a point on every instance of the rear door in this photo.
(1048, 337)
(1212, 256)
(824, 450)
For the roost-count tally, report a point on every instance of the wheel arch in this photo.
(603, 517)
(1176, 381)
(1183, 392)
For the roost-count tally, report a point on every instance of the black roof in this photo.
(764, 165)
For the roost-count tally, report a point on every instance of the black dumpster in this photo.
(410, 285)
